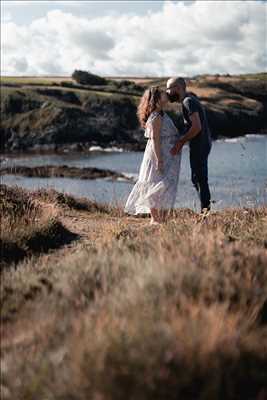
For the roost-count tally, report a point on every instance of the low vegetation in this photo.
(27, 226)
(131, 311)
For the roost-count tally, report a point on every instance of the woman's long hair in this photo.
(148, 104)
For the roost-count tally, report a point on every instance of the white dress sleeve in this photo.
(148, 129)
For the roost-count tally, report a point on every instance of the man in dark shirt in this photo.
(198, 134)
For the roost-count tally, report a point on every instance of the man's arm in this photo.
(194, 130)
(190, 134)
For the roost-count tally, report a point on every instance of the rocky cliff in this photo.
(59, 115)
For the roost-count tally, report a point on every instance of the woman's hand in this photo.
(159, 167)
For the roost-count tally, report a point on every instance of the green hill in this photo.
(57, 113)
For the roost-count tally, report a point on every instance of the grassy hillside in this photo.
(44, 113)
(40, 116)
(129, 311)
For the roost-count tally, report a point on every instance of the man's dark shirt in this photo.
(201, 143)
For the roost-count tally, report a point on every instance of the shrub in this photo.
(87, 78)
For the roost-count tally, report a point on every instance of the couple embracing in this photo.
(155, 190)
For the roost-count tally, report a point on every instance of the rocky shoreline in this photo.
(63, 171)
(60, 117)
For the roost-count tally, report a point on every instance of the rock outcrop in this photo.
(63, 171)
(87, 78)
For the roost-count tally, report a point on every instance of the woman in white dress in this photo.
(155, 190)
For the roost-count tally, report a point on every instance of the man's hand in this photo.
(176, 148)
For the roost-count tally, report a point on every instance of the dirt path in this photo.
(91, 228)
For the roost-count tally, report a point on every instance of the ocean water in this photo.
(237, 174)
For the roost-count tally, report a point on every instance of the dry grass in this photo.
(171, 312)
(27, 225)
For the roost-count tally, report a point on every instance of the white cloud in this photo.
(181, 38)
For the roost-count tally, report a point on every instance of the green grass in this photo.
(33, 79)
(258, 76)
(82, 93)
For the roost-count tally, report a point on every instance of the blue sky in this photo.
(25, 11)
(138, 38)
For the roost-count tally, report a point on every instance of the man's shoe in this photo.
(205, 211)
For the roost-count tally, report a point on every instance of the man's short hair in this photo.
(181, 82)
(178, 80)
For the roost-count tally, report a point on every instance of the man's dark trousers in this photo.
(199, 171)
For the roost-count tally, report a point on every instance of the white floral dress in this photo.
(154, 189)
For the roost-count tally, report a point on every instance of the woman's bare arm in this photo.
(155, 137)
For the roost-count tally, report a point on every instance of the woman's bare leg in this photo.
(155, 216)
(164, 215)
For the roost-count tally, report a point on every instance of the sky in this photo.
(133, 38)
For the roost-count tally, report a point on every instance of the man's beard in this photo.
(173, 97)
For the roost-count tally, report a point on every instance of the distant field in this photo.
(46, 80)
(34, 79)
(58, 79)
